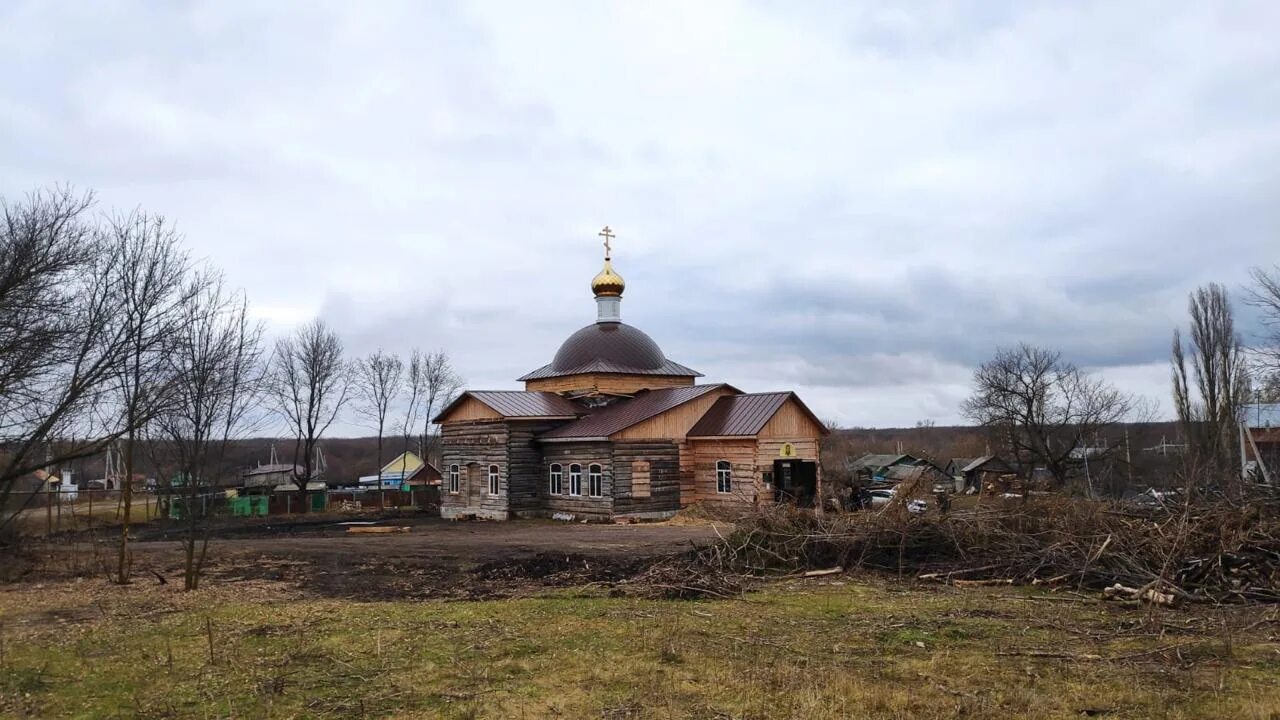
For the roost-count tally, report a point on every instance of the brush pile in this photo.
(1210, 553)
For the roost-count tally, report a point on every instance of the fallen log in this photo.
(377, 530)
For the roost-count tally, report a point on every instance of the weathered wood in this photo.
(606, 383)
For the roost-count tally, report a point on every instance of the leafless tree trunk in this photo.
(309, 382)
(1045, 407)
(61, 342)
(148, 278)
(1209, 398)
(216, 368)
(377, 380)
(1265, 296)
(441, 385)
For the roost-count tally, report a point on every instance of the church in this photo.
(611, 428)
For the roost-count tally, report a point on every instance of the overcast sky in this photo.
(857, 201)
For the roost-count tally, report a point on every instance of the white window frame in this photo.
(575, 480)
(555, 479)
(455, 473)
(493, 480)
(724, 477)
(595, 480)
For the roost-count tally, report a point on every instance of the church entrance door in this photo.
(795, 481)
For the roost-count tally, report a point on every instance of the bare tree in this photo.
(1045, 409)
(1265, 296)
(61, 345)
(215, 365)
(378, 379)
(441, 385)
(415, 389)
(146, 275)
(1209, 398)
(309, 382)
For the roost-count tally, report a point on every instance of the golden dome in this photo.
(608, 283)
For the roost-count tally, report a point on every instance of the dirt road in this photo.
(436, 559)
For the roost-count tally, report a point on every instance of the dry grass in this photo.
(830, 648)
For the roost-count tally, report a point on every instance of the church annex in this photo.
(611, 428)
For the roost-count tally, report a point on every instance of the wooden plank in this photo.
(791, 421)
(470, 409)
(606, 383)
(675, 423)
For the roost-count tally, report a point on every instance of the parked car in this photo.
(880, 498)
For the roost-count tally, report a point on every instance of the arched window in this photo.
(493, 479)
(595, 481)
(575, 479)
(557, 479)
(724, 476)
(454, 474)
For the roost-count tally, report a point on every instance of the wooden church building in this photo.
(611, 428)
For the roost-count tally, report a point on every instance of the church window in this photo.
(557, 479)
(575, 479)
(595, 481)
(724, 476)
(453, 478)
(493, 479)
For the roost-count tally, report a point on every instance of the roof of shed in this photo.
(623, 414)
(878, 461)
(520, 404)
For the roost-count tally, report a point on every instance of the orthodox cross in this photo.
(607, 234)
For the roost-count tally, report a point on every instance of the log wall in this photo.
(584, 454)
(656, 461)
(474, 446)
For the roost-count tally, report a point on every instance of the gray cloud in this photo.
(857, 201)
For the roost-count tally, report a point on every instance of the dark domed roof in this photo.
(610, 347)
(613, 342)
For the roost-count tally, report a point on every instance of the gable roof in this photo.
(746, 415)
(406, 462)
(519, 404)
(876, 462)
(994, 460)
(625, 413)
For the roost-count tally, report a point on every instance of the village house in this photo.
(613, 428)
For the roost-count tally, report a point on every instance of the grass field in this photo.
(804, 649)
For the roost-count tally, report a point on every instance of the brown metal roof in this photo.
(610, 347)
(745, 415)
(625, 413)
(520, 404)
(739, 414)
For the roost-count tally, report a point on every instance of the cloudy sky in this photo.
(859, 201)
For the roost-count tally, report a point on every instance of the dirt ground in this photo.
(435, 559)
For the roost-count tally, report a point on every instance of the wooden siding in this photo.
(673, 424)
(474, 447)
(790, 422)
(741, 455)
(585, 454)
(468, 410)
(525, 488)
(662, 459)
(607, 383)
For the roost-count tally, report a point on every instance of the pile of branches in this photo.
(1218, 552)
